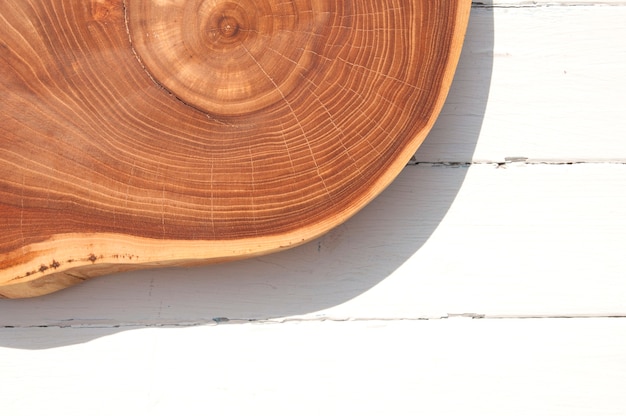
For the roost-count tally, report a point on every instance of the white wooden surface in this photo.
(514, 212)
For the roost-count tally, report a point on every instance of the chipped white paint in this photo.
(375, 317)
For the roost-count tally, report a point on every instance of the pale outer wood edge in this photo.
(68, 259)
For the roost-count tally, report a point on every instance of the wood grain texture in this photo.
(145, 133)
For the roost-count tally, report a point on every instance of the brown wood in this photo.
(142, 133)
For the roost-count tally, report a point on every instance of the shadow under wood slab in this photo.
(139, 134)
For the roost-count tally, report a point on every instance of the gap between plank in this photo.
(512, 161)
(536, 4)
(72, 324)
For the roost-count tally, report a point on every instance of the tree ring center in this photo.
(228, 26)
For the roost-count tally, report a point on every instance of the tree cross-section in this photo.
(142, 133)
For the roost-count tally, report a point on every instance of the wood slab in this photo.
(141, 134)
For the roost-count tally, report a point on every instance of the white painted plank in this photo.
(549, 86)
(516, 240)
(534, 240)
(448, 367)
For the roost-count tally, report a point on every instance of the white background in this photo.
(489, 278)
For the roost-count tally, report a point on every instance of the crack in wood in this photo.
(132, 48)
